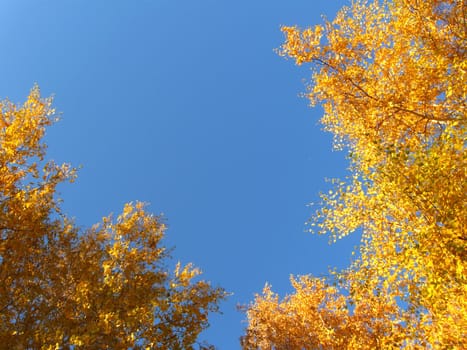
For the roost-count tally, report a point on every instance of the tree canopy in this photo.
(67, 288)
(392, 79)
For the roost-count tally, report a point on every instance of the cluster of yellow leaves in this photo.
(392, 78)
(316, 316)
(107, 287)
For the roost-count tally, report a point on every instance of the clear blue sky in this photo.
(184, 104)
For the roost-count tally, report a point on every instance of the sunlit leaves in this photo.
(391, 76)
(62, 287)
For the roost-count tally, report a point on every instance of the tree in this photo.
(66, 288)
(392, 79)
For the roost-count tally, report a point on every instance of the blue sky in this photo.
(185, 105)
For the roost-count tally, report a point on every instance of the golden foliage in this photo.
(392, 78)
(107, 287)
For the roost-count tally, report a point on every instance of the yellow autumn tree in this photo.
(392, 79)
(107, 287)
